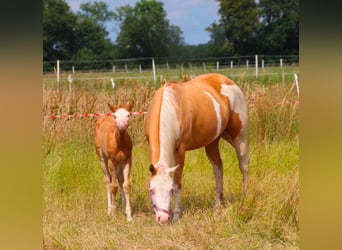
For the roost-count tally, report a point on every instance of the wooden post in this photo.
(256, 66)
(57, 75)
(154, 70)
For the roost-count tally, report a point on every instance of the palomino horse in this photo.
(186, 116)
(114, 147)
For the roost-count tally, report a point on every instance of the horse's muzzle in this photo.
(162, 215)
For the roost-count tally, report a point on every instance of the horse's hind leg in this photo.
(240, 143)
(213, 154)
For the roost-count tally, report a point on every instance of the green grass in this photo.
(75, 202)
(75, 206)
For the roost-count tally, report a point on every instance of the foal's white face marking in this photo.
(218, 114)
(122, 116)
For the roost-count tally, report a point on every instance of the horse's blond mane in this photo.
(169, 127)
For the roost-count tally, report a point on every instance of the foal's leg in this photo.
(113, 186)
(125, 185)
(107, 179)
(177, 180)
(213, 154)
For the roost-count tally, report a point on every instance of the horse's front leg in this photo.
(177, 180)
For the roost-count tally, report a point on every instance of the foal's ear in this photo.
(112, 108)
(129, 106)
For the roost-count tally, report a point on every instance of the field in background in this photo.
(74, 193)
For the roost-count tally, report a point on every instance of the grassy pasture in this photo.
(74, 194)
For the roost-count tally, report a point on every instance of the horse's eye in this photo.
(152, 169)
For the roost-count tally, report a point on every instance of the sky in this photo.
(192, 16)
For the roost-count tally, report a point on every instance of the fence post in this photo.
(126, 69)
(203, 64)
(57, 75)
(281, 62)
(70, 81)
(217, 65)
(297, 84)
(154, 70)
(256, 66)
(262, 63)
(247, 63)
(73, 69)
(140, 68)
(231, 64)
(113, 68)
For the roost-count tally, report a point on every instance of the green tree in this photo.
(237, 24)
(145, 31)
(247, 27)
(279, 29)
(220, 45)
(58, 30)
(91, 35)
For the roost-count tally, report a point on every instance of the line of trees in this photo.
(245, 27)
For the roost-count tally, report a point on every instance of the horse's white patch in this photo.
(236, 100)
(218, 114)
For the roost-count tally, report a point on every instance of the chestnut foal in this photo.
(114, 147)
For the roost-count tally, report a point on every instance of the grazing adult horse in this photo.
(186, 116)
(114, 147)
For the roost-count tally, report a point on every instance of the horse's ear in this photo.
(173, 169)
(152, 169)
(112, 108)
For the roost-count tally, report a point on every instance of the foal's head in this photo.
(121, 115)
(160, 192)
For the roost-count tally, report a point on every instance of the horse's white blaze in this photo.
(218, 114)
(236, 99)
(169, 128)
